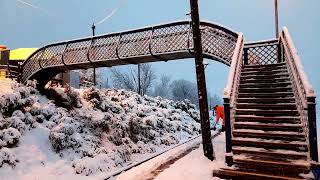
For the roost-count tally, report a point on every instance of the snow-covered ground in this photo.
(96, 133)
(193, 166)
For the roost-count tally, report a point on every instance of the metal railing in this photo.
(155, 43)
(304, 93)
(230, 95)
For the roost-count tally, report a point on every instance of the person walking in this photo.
(219, 111)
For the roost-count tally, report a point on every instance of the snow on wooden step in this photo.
(293, 163)
(262, 150)
(298, 143)
(269, 124)
(266, 105)
(261, 153)
(227, 173)
(268, 132)
(261, 117)
(249, 71)
(278, 79)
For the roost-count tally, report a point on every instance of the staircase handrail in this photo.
(230, 94)
(303, 91)
(236, 61)
(300, 73)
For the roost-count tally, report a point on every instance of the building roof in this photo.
(21, 53)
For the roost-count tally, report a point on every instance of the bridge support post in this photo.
(229, 155)
(201, 81)
(312, 128)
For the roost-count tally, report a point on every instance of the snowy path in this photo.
(195, 165)
(192, 165)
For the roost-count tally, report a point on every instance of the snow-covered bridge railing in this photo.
(156, 43)
(304, 93)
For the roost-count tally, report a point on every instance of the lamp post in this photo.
(201, 81)
(93, 27)
(276, 19)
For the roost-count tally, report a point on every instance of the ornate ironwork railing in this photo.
(261, 53)
(230, 95)
(155, 43)
(304, 93)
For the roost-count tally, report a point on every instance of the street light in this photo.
(205, 63)
(276, 20)
(93, 27)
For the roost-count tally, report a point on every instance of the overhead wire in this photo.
(113, 11)
(32, 5)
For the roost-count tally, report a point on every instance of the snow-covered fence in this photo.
(304, 93)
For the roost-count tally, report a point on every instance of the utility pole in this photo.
(201, 81)
(93, 27)
(276, 19)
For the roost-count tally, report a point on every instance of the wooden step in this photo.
(263, 76)
(268, 126)
(270, 144)
(266, 95)
(266, 100)
(275, 106)
(265, 90)
(273, 80)
(276, 135)
(276, 65)
(274, 119)
(261, 71)
(259, 112)
(301, 165)
(265, 153)
(239, 174)
(265, 85)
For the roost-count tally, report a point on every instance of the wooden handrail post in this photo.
(229, 159)
(312, 128)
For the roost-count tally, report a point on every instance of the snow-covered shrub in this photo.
(101, 162)
(18, 100)
(7, 157)
(66, 136)
(9, 137)
(17, 123)
(99, 100)
(103, 132)
(67, 98)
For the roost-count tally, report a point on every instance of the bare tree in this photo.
(162, 89)
(86, 77)
(183, 89)
(214, 100)
(130, 80)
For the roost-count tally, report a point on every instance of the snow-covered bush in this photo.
(67, 98)
(9, 137)
(7, 157)
(97, 130)
(19, 99)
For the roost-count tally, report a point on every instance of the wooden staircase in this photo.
(268, 141)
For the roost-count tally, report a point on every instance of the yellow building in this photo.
(12, 57)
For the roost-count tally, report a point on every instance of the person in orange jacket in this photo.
(219, 110)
